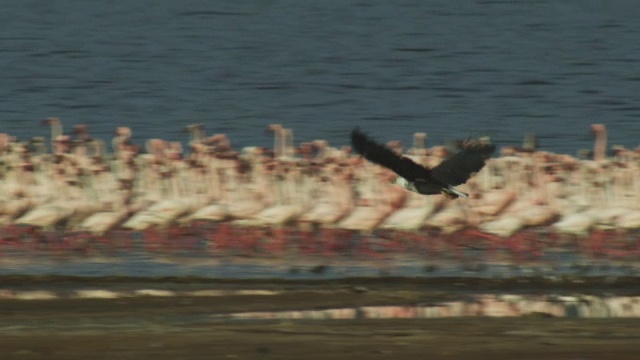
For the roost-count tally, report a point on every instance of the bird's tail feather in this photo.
(453, 193)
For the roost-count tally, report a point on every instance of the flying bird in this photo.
(453, 171)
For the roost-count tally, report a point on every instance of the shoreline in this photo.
(624, 284)
(404, 318)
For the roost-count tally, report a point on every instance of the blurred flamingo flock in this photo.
(69, 194)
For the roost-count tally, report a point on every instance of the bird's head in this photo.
(400, 181)
(404, 183)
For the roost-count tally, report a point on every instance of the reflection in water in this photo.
(583, 306)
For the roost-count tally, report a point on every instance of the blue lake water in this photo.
(206, 265)
(452, 69)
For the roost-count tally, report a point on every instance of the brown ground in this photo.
(178, 328)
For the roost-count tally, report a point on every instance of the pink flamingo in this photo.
(600, 146)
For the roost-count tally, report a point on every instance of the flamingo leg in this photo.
(279, 240)
(308, 243)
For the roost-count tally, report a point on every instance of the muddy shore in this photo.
(465, 338)
(160, 327)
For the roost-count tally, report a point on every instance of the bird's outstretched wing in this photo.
(382, 155)
(458, 168)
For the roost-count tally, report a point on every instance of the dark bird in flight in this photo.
(453, 171)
